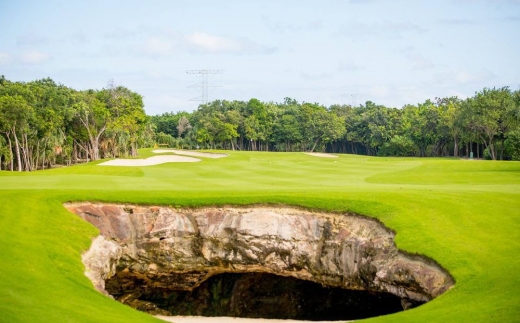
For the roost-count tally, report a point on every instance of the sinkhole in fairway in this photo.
(256, 295)
(261, 262)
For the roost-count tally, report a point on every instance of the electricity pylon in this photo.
(204, 83)
(354, 98)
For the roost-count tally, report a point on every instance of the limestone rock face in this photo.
(100, 261)
(179, 249)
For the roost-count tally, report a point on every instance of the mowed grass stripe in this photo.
(463, 214)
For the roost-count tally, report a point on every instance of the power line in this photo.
(204, 84)
(353, 98)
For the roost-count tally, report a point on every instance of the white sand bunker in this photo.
(155, 160)
(189, 153)
(321, 155)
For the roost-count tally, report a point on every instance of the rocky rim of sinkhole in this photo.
(146, 251)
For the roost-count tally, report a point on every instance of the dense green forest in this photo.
(487, 124)
(43, 124)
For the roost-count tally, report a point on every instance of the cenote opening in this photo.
(236, 262)
(256, 295)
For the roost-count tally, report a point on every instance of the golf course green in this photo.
(465, 214)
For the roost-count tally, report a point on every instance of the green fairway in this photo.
(464, 214)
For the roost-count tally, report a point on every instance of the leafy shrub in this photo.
(400, 146)
(487, 154)
(166, 140)
(512, 145)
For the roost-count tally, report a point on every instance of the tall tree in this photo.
(52, 109)
(5, 153)
(183, 125)
(257, 123)
(491, 108)
(15, 116)
(126, 117)
(94, 116)
(452, 125)
(420, 123)
(320, 126)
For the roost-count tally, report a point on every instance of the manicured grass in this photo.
(464, 214)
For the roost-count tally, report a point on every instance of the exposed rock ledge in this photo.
(180, 248)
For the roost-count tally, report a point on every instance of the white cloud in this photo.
(362, 1)
(458, 94)
(412, 94)
(169, 100)
(119, 33)
(166, 43)
(212, 43)
(157, 46)
(349, 67)
(30, 40)
(419, 62)
(5, 58)
(80, 37)
(379, 91)
(458, 21)
(277, 26)
(513, 18)
(158, 74)
(215, 44)
(359, 30)
(34, 57)
(465, 77)
(315, 77)
(161, 103)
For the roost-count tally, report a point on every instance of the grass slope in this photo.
(464, 214)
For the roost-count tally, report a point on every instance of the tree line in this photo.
(486, 125)
(44, 124)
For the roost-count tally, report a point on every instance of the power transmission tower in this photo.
(204, 83)
(353, 97)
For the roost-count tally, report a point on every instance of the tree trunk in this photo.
(455, 146)
(490, 147)
(94, 152)
(315, 143)
(38, 154)
(26, 153)
(17, 150)
(502, 150)
(95, 143)
(94, 140)
(80, 147)
(44, 154)
(133, 149)
(10, 151)
(75, 151)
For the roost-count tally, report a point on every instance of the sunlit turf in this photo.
(464, 214)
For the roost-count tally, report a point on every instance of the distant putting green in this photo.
(464, 214)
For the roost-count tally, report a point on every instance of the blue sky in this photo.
(390, 52)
